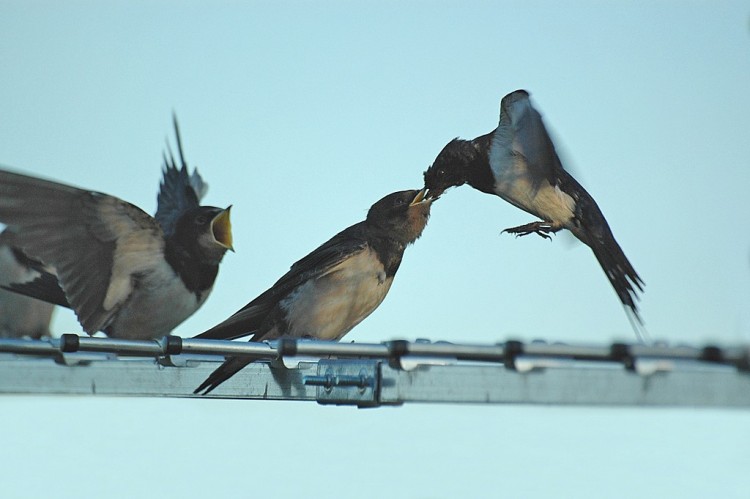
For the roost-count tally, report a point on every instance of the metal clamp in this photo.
(346, 382)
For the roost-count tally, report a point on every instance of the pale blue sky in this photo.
(302, 115)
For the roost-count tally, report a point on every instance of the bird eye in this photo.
(441, 172)
(200, 220)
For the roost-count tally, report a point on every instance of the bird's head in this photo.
(402, 215)
(449, 168)
(208, 229)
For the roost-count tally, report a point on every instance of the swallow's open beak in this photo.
(418, 198)
(221, 227)
(421, 197)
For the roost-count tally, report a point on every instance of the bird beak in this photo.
(221, 227)
(424, 196)
(433, 194)
(419, 198)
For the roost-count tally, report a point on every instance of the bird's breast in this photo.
(331, 305)
(525, 183)
(516, 185)
(158, 303)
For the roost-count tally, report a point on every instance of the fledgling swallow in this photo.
(19, 315)
(331, 290)
(122, 271)
(518, 162)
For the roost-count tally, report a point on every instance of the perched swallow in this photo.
(122, 271)
(19, 315)
(331, 290)
(518, 162)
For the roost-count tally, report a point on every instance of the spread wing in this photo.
(179, 191)
(96, 244)
(249, 319)
(521, 135)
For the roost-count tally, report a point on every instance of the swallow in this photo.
(518, 162)
(19, 315)
(328, 292)
(122, 271)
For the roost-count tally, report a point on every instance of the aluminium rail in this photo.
(389, 373)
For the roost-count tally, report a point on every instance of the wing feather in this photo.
(179, 191)
(250, 319)
(86, 237)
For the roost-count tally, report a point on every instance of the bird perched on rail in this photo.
(122, 271)
(518, 162)
(331, 290)
(19, 315)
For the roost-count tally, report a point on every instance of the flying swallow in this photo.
(331, 290)
(122, 271)
(518, 162)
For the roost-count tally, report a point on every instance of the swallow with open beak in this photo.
(518, 162)
(122, 271)
(331, 290)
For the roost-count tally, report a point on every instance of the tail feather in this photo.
(225, 371)
(245, 322)
(621, 274)
(592, 229)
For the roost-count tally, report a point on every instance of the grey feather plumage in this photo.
(82, 254)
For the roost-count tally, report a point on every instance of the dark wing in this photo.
(45, 287)
(179, 191)
(95, 243)
(521, 133)
(7, 238)
(249, 319)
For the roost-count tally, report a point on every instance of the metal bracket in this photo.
(347, 382)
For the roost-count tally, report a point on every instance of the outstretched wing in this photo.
(97, 244)
(179, 191)
(522, 137)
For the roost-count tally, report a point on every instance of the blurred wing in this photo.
(199, 186)
(179, 191)
(249, 319)
(97, 244)
(521, 135)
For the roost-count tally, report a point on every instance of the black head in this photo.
(402, 215)
(450, 167)
(206, 230)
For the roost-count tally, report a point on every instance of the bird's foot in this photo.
(543, 229)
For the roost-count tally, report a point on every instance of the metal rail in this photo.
(390, 373)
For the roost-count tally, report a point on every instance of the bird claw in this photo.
(542, 229)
